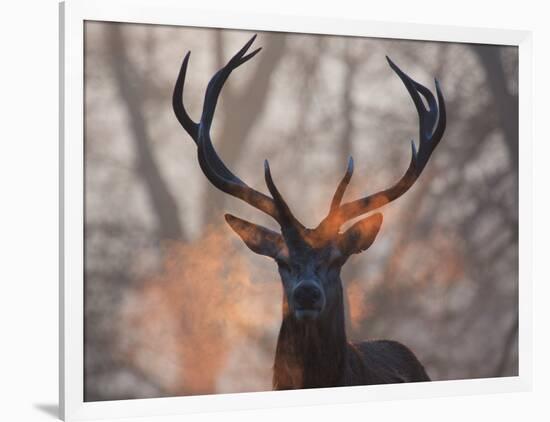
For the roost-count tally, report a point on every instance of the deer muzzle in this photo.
(308, 301)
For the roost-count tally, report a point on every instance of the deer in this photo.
(312, 348)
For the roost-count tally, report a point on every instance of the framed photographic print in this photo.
(217, 252)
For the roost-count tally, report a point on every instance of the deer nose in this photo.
(307, 295)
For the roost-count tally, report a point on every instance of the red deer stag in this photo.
(312, 349)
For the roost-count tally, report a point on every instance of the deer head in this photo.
(309, 260)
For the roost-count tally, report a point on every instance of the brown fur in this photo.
(317, 354)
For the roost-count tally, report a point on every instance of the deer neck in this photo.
(312, 354)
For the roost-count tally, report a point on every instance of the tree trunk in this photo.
(352, 267)
(505, 101)
(165, 208)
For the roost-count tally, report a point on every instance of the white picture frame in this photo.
(73, 14)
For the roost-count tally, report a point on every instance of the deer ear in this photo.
(360, 236)
(258, 238)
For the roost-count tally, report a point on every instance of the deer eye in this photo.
(335, 263)
(283, 265)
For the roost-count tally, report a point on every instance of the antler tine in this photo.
(432, 123)
(188, 124)
(284, 210)
(218, 80)
(327, 227)
(342, 186)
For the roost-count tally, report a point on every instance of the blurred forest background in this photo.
(174, 302)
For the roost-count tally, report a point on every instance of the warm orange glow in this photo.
(201, 305)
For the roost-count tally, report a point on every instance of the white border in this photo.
(73, 13)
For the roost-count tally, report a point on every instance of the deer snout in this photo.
(307, 295)
(308, 300)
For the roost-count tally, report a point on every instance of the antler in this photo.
(432, 121)
(211, 164)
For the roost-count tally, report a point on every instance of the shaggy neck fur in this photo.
(314, 354)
